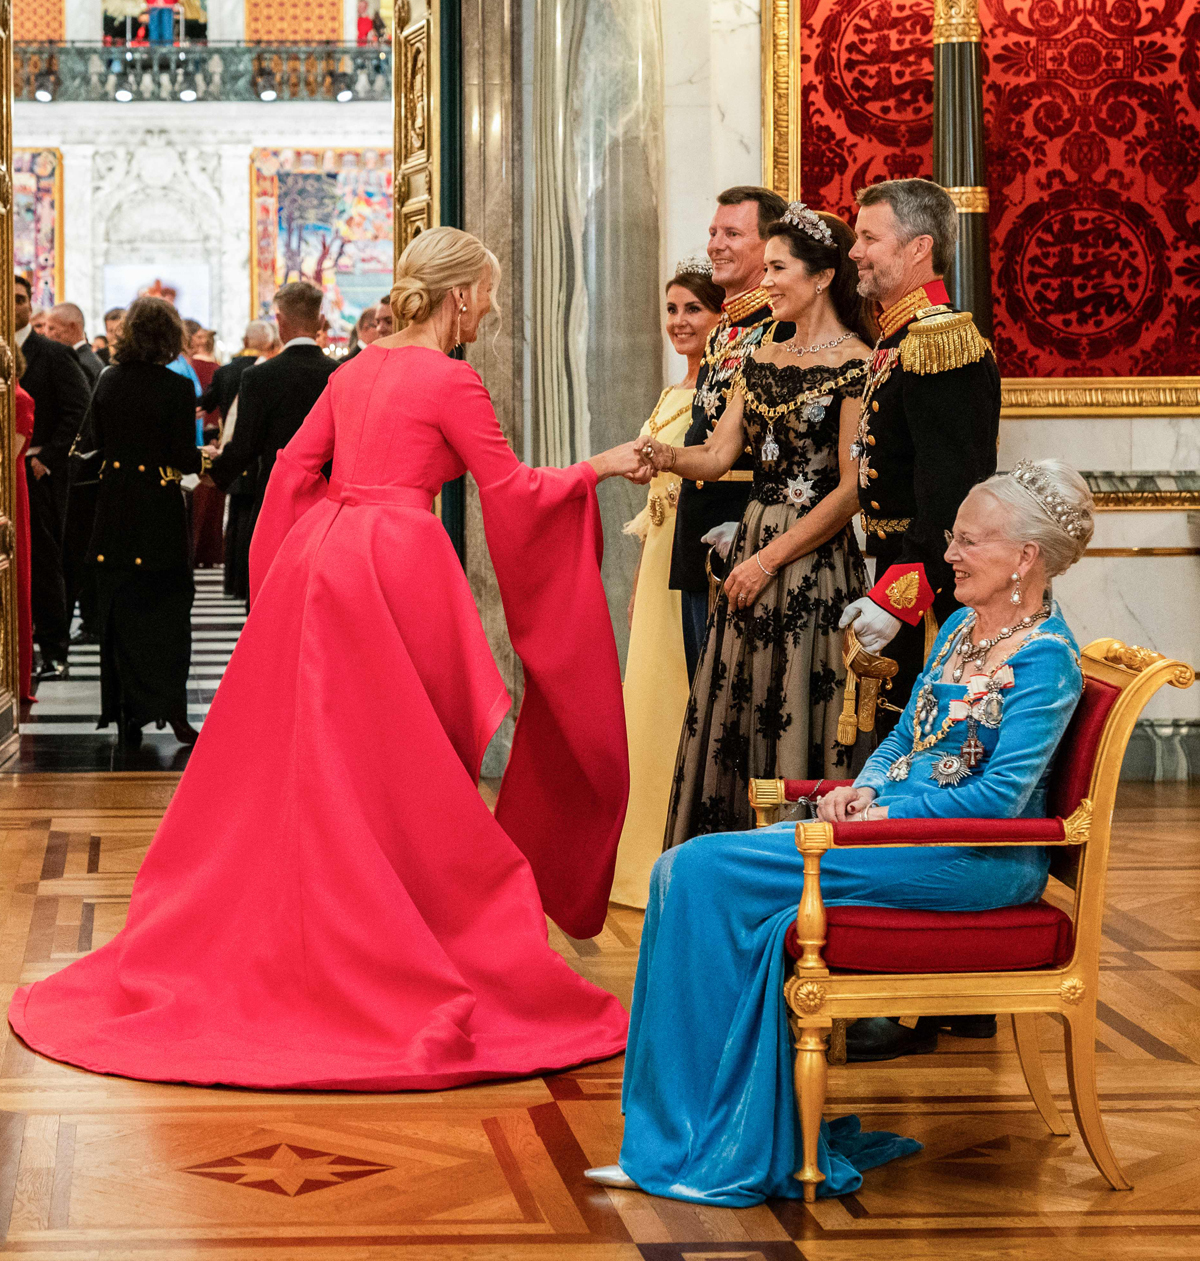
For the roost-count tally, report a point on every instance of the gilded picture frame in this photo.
(417, 145)
(1022, 398)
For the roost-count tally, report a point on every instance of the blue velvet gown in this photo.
(710, 1112)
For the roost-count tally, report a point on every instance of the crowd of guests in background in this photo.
(145, 458)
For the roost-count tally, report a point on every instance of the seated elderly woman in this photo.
(710, 1112)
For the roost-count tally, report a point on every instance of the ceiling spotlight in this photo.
(266, 94)
(123, 94)
(344, 95)
(188, 94)
(266, 86)
(44, 89)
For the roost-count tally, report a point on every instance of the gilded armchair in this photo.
(853, 962)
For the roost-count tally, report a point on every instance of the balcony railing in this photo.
(202, 72)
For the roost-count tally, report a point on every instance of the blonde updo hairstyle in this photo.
(1056, 513)
(434, 262)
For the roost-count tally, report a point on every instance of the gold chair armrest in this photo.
(766, 796)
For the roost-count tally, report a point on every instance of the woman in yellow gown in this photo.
(656, 683)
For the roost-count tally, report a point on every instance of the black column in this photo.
(958, 159)
(454, 494)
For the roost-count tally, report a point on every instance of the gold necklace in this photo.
(657, 426)
(801, 400)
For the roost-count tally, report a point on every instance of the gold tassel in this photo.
(847, 731)
(941, 342)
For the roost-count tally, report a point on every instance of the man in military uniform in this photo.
(929, 427)
(708, 512)
(928, 432)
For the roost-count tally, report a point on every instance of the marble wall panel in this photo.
(712, 120)
(594, 128)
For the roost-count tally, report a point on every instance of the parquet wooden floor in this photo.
(104, 1169)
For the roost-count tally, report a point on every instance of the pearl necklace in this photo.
(967, 651)
(792, 348)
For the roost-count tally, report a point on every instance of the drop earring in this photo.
(1015, 598)
(462, 310)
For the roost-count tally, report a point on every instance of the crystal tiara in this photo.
(800, 216)
(1038, 483)
(698, 264)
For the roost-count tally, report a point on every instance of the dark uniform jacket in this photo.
(705, 505)
(273, 401)
(144, 420)
(929, 431)
(60, 392)
(90, 362)
(223, 388)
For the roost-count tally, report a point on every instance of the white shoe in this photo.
(612, 1176)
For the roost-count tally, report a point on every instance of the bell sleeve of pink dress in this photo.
(296, 486)
(564, 793)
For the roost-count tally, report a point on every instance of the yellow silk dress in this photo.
(656, 683)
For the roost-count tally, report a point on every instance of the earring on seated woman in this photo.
(1015, 598)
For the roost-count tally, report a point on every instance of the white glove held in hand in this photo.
(721, 537)
(875, 627)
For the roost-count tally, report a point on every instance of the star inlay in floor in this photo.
(285, 1169)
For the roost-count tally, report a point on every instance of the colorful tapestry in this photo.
(323, 215)
(37, 222)
(1092, 110)
(38, 21)
(293, 21)
(866, 82)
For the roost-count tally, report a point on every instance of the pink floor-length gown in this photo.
(328, 902)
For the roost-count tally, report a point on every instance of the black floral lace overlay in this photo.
(806, 469)
(770, 681)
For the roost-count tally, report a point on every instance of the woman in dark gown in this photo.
(767, 691)
(144, 419)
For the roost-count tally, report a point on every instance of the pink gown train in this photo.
(328, 902)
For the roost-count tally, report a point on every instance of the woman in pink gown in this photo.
(328, 902)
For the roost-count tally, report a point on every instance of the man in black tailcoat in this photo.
(65, 325)
(275, 397)
(60, 393)
(927, 433)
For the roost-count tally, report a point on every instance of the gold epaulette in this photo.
(941, 341)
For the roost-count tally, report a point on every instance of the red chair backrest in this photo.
(1071, 775)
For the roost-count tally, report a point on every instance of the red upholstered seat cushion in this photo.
(881, 939)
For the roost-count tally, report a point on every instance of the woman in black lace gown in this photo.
(768, 688)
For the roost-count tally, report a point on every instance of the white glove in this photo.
(875, 627)
(721, 537)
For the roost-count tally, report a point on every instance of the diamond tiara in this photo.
(698, 264)
(800, 216)
(1034, 479)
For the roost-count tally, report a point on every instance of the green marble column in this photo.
(958, 159)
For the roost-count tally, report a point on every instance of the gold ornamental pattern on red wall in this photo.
(292, 21)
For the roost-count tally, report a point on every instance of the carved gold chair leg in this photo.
(1025, 1031)
(1080, 1036)
(837, 1042)
(811, 1081)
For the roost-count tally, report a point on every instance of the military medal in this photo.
(972, 750)
(949, 771)
(899, 768)
(800, 490)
